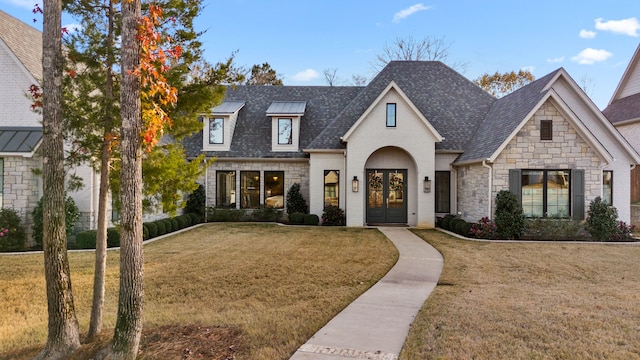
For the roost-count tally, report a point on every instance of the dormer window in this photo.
(285, 131)
(216, 131)
(391, 115)
(285, 124)
(219, 126)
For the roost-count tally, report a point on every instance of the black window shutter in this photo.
(577, 189)
(515, 183)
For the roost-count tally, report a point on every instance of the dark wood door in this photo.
(386, 196)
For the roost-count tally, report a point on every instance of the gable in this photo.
(23, 41)
(630, 81)
(409, 119)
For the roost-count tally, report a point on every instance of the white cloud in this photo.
(628, 26)
(306, 75)
(555, 60)
(589, 56)
(586, 34)
(409, 11)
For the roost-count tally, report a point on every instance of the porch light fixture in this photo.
(354, 184)
(427, 184)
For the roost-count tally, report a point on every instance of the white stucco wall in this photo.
(318, 163)
(410, 136)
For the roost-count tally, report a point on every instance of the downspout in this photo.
(484, 164)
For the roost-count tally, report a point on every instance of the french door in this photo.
(386, 196)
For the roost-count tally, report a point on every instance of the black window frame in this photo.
(440, 194)
(391, 116)
(335, 186)
(545, 191)
(546, 130)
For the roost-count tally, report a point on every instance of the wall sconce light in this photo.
(427, 184)
(354, 184)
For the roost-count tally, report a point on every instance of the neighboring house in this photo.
(21, 127)
(623, 111)
(419, 141)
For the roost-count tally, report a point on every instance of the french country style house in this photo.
(418, 142)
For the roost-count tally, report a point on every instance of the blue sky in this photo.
(592, 40)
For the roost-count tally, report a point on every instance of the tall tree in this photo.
(263, 75)
(501, 84)
(63, 335)
(126, 338)
(408, 48)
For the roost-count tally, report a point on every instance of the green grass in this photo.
(277, 284)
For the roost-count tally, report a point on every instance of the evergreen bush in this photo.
(509, 217)
(333, 216)
(196, 202)
(162, 229)
(296, 218)
(168, 226)
(71, 217)
(602, 220)
(153, 229)
(295, 200)
(225, 215)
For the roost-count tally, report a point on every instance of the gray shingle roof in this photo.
(24, 41)
(503, 118)
(627, 108)
(252, 135)
(451, 103)
(19, 139)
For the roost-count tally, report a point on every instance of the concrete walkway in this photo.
(376, 324)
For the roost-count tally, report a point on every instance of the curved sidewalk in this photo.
(376, 324)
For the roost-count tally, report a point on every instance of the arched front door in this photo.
(386, 196)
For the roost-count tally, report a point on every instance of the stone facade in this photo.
(295, 171)
(567, 150)
(472, 184)
(21, 187)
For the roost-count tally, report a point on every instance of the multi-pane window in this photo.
(607, 186)
(216, 131)
(331, 188)
(285, 131)
(274, 189)
(546, 193)
(226, 189)
(546, 130)
(443, 192)
(250, 189)
(391, 115)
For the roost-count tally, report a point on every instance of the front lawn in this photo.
(259, 290)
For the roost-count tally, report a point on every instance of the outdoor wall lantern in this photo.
(427, 184)
(354, 184)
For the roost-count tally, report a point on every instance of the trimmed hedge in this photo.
(296, 218)
(87, 239)
(153, 229)
(162, 228)
(311, 219)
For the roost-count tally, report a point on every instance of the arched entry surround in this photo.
(392, 160)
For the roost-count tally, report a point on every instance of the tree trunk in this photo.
(95, 324)
(126, 338)
(63, 335)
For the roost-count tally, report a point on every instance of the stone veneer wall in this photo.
(21, 190)
(294, 172)
(567, 150)
(473, 184)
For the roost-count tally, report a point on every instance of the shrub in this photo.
(602, 221)
(333, 216)
(225, 215)
(187, 220)
(71, 216)
(113, 237)
(196, 202)
(145, 232)
(265, 214)
(295, 200)
(86, 239)
(153, 229)
(175, 225)
(509, 217)
(311, 219)
(296, 218)
(195, 218)
(484, 229)
(624, 232)
(168, 226)
(12, 236)
(183, 221)
(446, 220)
(552, 228)
(463, 228)
(162, 228)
